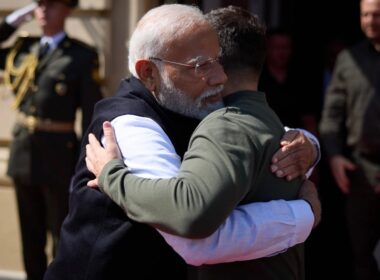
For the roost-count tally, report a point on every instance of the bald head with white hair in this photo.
(158, 28)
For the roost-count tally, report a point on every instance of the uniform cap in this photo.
(70, 3)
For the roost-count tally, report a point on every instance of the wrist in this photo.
(316, 152)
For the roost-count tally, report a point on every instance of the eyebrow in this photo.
(200, 58)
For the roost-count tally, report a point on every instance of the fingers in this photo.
(339, 166)
(89, 164)
(295, 156)
(29, 8)
(341, 180)
(93, 183)
(287, 158)
(94, 143)
(111, 144)
(21, 15)
(97, 156)
(94, 152)
(292, 142)
(289, 137)
(287, 147)
(350, 166)
(289, 172)
(90, 157)
(108, 132)
(294, 164)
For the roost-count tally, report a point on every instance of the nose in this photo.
(218, 76)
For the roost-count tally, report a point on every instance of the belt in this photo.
(47, 125)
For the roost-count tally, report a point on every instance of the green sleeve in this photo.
(213, 179)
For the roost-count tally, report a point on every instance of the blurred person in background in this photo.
(282, 85)
(331, 234)
(350, 133)
(331, 50)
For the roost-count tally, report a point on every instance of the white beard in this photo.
(178, 101)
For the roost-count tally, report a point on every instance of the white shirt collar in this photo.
(54, 40)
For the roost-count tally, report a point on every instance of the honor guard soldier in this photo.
(51, 76)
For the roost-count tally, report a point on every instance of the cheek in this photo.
(37, 13)
(188, 84)
(190, 87)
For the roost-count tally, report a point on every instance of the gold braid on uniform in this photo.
(23, 75)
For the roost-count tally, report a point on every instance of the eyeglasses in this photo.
(201, 68)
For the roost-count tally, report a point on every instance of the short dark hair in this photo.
(241, 36)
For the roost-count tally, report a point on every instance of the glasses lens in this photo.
(204, 68)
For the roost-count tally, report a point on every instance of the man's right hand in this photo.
(97, 156)
(339, 165)
(21, 15)
(309, 193)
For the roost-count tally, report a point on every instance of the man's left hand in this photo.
(97, 156)
(295, 157)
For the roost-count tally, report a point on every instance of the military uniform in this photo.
(44, 150)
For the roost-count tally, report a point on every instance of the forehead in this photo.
(200, 40)
(370, 5)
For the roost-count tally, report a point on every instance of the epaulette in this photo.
(24, 37)
(23, 34)
(94, 55)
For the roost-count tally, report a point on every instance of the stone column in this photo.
(123, 18)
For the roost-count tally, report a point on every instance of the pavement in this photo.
(11, 267)
(10, 253)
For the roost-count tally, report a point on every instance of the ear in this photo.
(148, 73)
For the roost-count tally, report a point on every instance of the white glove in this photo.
(21, 15)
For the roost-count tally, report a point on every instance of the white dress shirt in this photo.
(53, 41)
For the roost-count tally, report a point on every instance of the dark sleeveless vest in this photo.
(98, 240)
